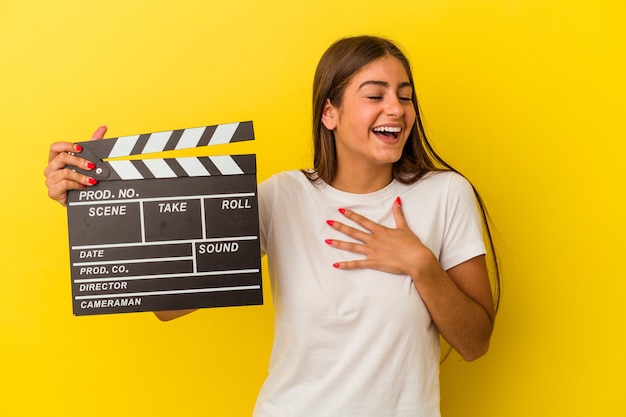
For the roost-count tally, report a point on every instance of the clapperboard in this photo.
(165, 233)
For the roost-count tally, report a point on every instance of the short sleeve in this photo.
(463, 234)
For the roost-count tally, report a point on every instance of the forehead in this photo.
(387, 69)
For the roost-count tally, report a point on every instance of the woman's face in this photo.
(375, 117)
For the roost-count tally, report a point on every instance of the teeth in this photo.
(387, 129)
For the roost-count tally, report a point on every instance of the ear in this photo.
(329, 115)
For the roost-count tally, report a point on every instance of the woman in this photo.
(372, 253)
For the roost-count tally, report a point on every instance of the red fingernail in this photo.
(342, 210)
(398, 201)
(91, 165)
(78, 148)
(330, 222)
(329, 241)
(92, 181)
(336, 265)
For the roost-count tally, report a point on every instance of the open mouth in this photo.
(388, 131)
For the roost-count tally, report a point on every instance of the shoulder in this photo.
(443, 183)
(285, 179)
(445, 178)
(285, 185)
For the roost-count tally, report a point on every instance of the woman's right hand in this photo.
(59, 179)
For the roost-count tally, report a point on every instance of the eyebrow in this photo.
(384, 84)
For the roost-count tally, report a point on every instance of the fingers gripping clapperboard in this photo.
(165, 233)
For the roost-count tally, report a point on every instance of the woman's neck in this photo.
(362, 181)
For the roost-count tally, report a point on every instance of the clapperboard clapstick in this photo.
(165, 233)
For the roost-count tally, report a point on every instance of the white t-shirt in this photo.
(356, 343)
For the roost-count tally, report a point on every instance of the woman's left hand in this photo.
(397, 251)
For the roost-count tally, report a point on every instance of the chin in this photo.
(390, 158)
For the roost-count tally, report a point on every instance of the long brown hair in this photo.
(338, 64)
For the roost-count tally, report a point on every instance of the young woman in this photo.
(372, 254)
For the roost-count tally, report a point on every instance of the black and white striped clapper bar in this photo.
(165, 233)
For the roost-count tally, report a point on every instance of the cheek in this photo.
(356, 124)
(410, 117)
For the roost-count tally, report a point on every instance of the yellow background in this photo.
(527, 98)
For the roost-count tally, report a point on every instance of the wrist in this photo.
(425, 266)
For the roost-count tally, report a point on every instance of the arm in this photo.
(171, 314)
(459, 300)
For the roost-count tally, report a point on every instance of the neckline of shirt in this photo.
(391, 191)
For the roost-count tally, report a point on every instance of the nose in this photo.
(394, 107)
